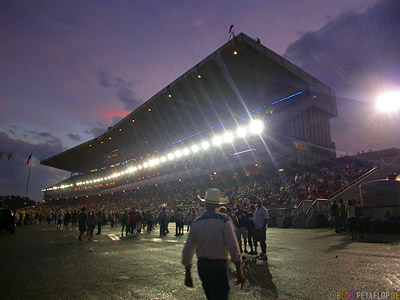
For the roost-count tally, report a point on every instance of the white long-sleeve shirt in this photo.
(212, 236)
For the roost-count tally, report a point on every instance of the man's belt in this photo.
(219, 262)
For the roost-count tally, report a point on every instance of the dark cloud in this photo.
(40, 135)
(357, 54)
(13, 173)
(105, 79)
(13, 127)
(96, 131)
(74, 137)
(123, 89)
(128, 97)
(300, 32)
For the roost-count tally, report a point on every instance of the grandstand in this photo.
(242, 107)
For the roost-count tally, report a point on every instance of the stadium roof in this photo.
(239, 77)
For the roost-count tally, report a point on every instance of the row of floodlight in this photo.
(255, 127)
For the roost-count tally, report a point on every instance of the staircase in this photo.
(352, 190)
(299, 214)
(306, 214)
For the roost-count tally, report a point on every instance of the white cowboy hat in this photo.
(214, 196)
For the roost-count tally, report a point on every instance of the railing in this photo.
(313, 211)
(362, 177)
(352, 183)
(301, 210)
(315, 208)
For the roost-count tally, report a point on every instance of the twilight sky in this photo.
(70, 69)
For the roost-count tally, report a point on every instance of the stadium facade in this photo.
(243, 105)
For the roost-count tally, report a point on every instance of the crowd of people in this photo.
(178, 202)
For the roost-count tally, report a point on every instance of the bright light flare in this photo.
(205, 145)
(256, 126)
(170, 156)
(228, 137)
(217, 140)
(389, 102)
(178, 153)
(186, 151)
(195, 148)
(241, 132)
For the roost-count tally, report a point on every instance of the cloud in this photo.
(40, 135)
(357, 55)
(300, 32)
(74, 137)
(14, 172)
(128, 98)
(96, 131)
(12, 132)
(123, 89)
(105, 79)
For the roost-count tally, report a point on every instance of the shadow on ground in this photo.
(257, 274)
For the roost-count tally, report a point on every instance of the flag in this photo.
(230, 28)
(29, 159)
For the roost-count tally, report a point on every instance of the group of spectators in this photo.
(178, 201)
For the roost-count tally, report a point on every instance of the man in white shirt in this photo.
(212, 236)
(260, 220)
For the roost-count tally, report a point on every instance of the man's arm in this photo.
(266, 217)
(187, 258)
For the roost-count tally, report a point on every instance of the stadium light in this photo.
(163, 159)
(186, 151)
(178, 153)
(205, 145)
(228, 137)
(195, 148)
(241, 132)
(151, 162)
(140, 167)
(256, 126)
(135, 169)
(388, 102)
(157, 161)
(170, 156)
(217, 140)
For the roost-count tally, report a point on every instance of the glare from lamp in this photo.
(256, 126)
(217, 140)
(228, 137)
(195, 148)
(205, 145)
(241, 132)
(178, 153)
(389, 102)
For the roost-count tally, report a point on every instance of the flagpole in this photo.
(27, 182)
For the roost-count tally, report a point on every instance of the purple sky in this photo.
(70, 69)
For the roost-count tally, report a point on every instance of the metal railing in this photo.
(362, 177)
